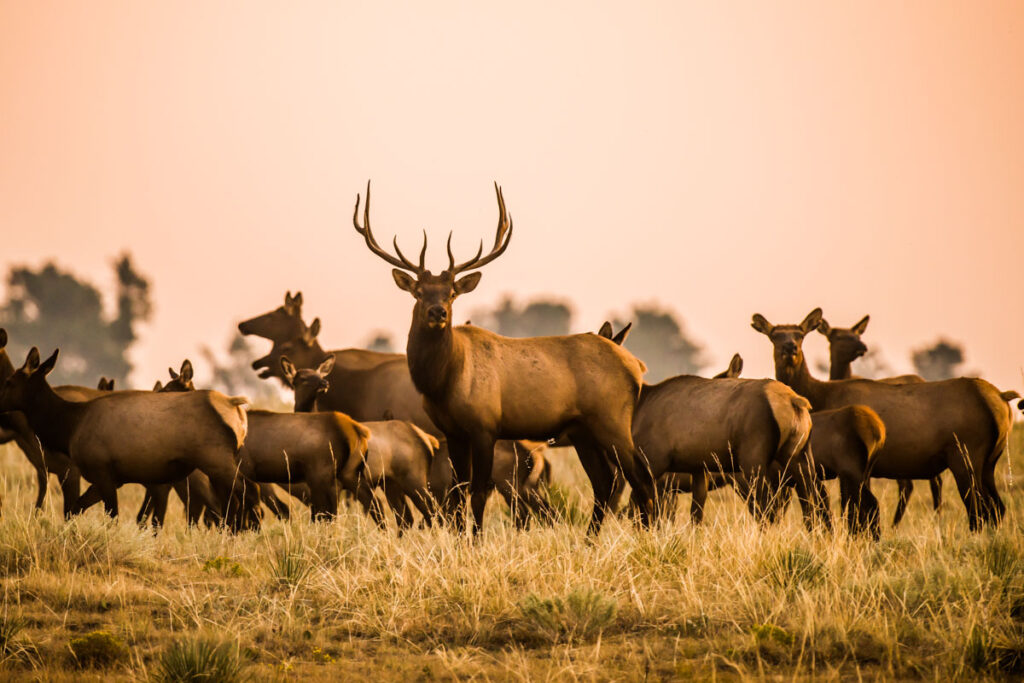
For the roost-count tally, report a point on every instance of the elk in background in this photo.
(697, 425)
(960, 424)
(478, 386)
(136, 437)
(844, 347)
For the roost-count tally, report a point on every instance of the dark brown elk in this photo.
(14, 427)
(960, 424)
(479, 387)
(519, 467)
(844, 347)
(695, 425)
(136, 436)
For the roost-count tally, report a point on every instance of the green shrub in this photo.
(582, 614)
(199, 660)
(98, 649)
(288, 567)
(792, 568)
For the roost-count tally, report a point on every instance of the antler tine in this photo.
(502, 237)
(371, 242)
(423, 253)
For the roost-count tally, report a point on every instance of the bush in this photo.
(792, 568)
(198, 660)
(582, 614)
(98, 649)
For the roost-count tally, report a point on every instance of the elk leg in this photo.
(424, 502)
(618, 445)
(86, 500)
(936, 485)
(29, 445)
(396, 499)
(969, 487)
(69, 477)
(515, 503)
(480, 489)
(277, 506)
(699, 493)
(324, 500)
(370, 504)
(459, 452)
(599, 471)
(997, 509)
(906, 487)
(159, 505)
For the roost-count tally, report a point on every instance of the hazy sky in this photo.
(720, 158)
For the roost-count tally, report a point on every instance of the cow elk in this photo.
(479, 387)
(960, 424)
(136, 436)
(14, 427)
(844, 347)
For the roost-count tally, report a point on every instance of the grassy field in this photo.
(346, 601)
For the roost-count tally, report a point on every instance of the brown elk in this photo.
(844, 347)
(14, 427)
(697, 425)
(959, 424)
(478, 386)
(135, 436)
(519, 468)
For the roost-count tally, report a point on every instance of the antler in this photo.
(371, 242)
(501, 239)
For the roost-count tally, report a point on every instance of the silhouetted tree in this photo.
(660, 341)
(541, 317)
(50, 307)
(382, 342)
(938, 361)
(235, 376)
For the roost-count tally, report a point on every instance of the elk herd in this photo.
(465, 411)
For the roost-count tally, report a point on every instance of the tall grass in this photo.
(342, 599)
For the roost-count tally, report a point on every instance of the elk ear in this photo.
(404, 281)
(158, 386)
(31, 360)
(288, 368)
(824, 327)
(309, 336)
(736, 365)
(186, 370)
(761, 324)
(468, 283)
(297, 299)
(47, 365)
(811, 321)
(606, 330)
(3, 337)
(172, 373)
(620, 338)
(326, 365)
(861, 326)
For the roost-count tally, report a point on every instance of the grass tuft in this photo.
(582, 614)
(98, 649)
(199, 660)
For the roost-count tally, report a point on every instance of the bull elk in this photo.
(844, 347)
(960, 424)
(136, 436)
(479, 387)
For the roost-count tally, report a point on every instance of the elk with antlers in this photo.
(478, 386)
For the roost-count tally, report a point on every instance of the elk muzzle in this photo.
(437, 316)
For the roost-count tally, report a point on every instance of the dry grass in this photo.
(344, 600)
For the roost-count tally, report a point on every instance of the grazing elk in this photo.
(14, 427)
(960, 424)
(520, 468)
(136, 437)
(479, 387)
(697, 425)
(844, 347)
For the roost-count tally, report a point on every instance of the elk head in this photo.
(308, 383)
(26, 382)
(280, 324)
(787, 339)
(434, 294)
(180, 381)
(844, 345)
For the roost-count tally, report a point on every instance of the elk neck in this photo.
(799, 379)
(838, 368)
(432, 357)
(52, 418)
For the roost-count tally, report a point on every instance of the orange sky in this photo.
(720, 158)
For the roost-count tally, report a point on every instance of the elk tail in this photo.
(232, 413)
(358, 436)
(793, 416)
(431, 442)
(871, 430)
